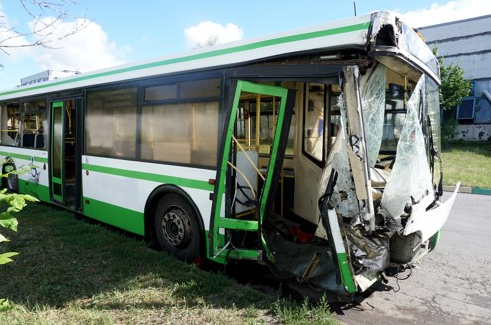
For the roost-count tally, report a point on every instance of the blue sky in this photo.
(128, 31)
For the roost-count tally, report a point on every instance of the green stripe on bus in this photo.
(346, 276)
(179, 181)
(199, 56)
(35, 189)
(129, 220)
(24, 157)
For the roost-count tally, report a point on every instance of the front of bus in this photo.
(382, 186)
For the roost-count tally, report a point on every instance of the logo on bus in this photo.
(34, 170)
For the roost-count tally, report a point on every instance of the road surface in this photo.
(453, 284)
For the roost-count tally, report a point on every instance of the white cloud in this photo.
(9, 41)
(210, 33)
(88, 49)
(451, 11)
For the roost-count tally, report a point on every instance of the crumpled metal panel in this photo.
(371, 251)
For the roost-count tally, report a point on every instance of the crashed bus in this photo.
(314, 152)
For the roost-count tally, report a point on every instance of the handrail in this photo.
(245, 178)
(248, 158)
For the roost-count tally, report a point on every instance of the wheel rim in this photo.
(176, 227)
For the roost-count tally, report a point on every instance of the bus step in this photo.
(240, 254)
(237, 224)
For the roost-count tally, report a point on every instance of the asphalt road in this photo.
(452, 284)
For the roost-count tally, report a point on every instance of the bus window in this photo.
(160, 92)
(183, 133)
(314, 124)
(180, 122)
(200, 89)
(10, 124)
(398, 91)
(267, 117)
(111, 123)
(34, 124)
(320, 99)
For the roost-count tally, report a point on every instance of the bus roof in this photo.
(347, 33)
(341, 33)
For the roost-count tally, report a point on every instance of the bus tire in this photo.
(11, 182)
(177, 228)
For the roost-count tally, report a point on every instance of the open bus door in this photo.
(245, 190)
(63, 153)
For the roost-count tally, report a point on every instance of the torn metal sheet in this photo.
(370, 252)
(429, 222)
(357, 151)
(344, 196)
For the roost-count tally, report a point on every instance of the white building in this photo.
(468, 43)
(46, 76)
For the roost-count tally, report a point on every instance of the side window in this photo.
(398, 91)
(321, 119)
(181, 133)
(315, 126)
(262, 109)
(10, 117)
(33, 124)
(268, 112)
(111, 123)
(180, 122)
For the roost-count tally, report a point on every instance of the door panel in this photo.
(239, 170)
(64, 154)
(57, 151)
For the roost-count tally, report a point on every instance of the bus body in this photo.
(315, 152)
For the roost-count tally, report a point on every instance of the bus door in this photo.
(63, 155)
(244, 188)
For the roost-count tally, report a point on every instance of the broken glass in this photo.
(373, 101)
(410, 179)
(434, 116)
(344, 196)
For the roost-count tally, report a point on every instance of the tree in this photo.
(212, 40)
(454, 85)
(15, 202)
(45, 16)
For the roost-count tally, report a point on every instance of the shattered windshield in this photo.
(410, 178)
(413, 43)
(373, 101)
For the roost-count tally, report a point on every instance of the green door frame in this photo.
(56, 151)
(217, 249)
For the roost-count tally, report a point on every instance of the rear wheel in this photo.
(177, 228)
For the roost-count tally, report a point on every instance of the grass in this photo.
(74, 272)
(467, 162)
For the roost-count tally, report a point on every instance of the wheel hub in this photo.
(176, 227)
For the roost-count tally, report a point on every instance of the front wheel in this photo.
(177, 228)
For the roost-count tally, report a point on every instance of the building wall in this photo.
(467, 43)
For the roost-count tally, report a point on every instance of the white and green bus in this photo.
(314, 151)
